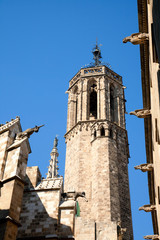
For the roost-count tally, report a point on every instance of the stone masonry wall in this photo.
(123, 181)
(39, 213)
(78, 167)
(33, 176)
(102, 174)
(13, 161)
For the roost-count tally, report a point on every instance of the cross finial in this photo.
(97, 54)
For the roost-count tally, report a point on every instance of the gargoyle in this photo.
(74, 195)
(153, 237)
(141, 113)
(137, 38)
(145, 167)
(27, 133)
(80, 194)
(148, 208)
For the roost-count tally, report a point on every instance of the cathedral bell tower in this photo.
(97, 153)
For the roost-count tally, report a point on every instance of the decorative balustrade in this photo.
(92, 70)
(113, 75)
(75, 78)
(96, 71)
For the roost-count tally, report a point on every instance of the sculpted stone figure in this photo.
(137, 38)
(153, 237)
(144, 167)
(55, 144)
(141, 113)
(27, 133)
(74, 195)
(148, 208)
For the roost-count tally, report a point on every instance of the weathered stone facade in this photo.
(13, 162)
(97, 153)
(149, 40)
(31, 207)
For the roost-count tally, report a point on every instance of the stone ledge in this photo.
(8, 218)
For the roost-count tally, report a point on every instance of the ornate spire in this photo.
(53, 167)
(96, 55)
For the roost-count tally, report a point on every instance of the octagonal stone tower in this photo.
(97, 154)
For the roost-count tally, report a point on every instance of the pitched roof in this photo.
(51, 183)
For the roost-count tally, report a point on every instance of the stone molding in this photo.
(16, 177)
(92, 124)
(6, 126)
(8, 218)
(94, 72)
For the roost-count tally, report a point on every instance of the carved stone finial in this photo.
(141, 113)
(27, 133)
(145, 167)
(137, 38)
(153, 237)
(148, 208)
(53, 167)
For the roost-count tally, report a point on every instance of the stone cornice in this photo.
(89, 124)
(8, 218)
(6, 126)
(15, 177)
(95, 72)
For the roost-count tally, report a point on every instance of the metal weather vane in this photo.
(97, 55)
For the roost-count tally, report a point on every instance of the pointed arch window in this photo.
(75, 103)
(112, 103)
(93, 101)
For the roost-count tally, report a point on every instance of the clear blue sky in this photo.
(43, 44)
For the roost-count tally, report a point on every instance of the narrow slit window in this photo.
(112, 107)
(76, 112)
(111, 133)
(155, 56)
(102, 131)
(158, 195)
(157, 131)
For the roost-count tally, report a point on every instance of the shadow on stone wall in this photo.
(37, 209)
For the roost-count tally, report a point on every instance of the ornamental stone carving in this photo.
(145, 167)
(141, 113)
(148, 208)
(137, 38)
(27, 133)
(72, 195)
(153, 237)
